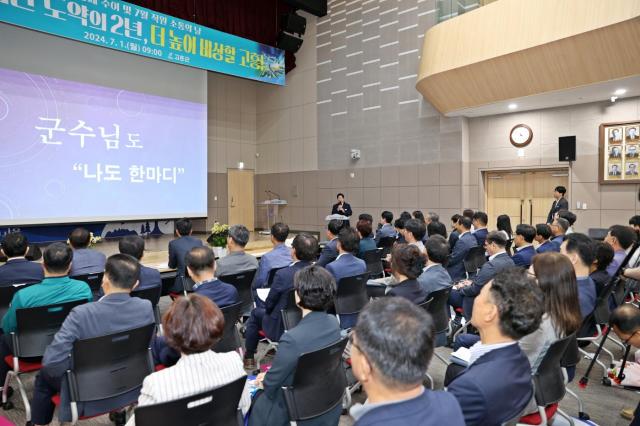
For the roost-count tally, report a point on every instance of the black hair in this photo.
(183, 226)
(306, 247)
(380, 335)
(625, 318)
(503, 223)
(405, 215)
(416, 227)
(334, 226)
(316, 288)
(122, 270)
(437, 249)
(417, 214)
(407, 260)
(80, 238)
(561, 189)
(455, 218)
(468, 213)
(349, 240)
(465, 222)
(569, 216)
(387, 216)
(543, 230)
(133, 245)
(339, 194)
(436, 228)
(481, 217)
(15, 244)
(519, 301)
(527, 232)
(604, 255)
(239, 234)
(635, 220)
(497, 238)
(200, 259)
(399, 223)
(366, 216)
(583, 246)
(57, 257)
(625, 235)
(280, 231)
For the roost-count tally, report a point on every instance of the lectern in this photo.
(272, 212)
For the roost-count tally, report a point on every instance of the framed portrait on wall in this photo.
(619, 152)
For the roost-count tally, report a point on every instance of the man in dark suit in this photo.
(133, 245)
(559, 230)
(560, 203)
(434, 277)
(113, 313)
(479, 221)
(268, 318)
(543, 233)
(85, 260)
(386, 228)
(391, 368)
(466, 241)
(315, 291)
(454, 235)
(496, 386)
(524, 245)
(18, 270)
(330, 250)
(178, 249)
(343, 208)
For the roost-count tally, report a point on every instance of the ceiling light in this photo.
(613, 98)
(620, 92)
(240, 165)
(513, 106)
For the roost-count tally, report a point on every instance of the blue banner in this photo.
(134, 29)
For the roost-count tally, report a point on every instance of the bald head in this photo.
(200, 263)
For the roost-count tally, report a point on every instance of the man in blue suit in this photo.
(559, 231)
(18, 270)
(496, 386)
(386, 229)
(133, 245)
(434, 277)
(466, 241)
(543, 233)
(178, 249)
(113, 313)
(330, 250)
(479, 221)
(524, 245)
(277, 258)
(85, 260)
(268, 318)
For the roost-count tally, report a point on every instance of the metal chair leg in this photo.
(567, 417)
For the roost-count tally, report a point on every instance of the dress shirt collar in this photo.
(115, 296)
(479, 350)
(523, 247)
(341, 254)
(16, 258)
(465, 232)
(359, 410)
(196, 285)
(493, 256)
(426, 268)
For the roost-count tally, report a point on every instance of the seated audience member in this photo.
(386, 228)
(192, 326)
(620, 238)
(278, 257)
(543, 233)
(18, 270)
(581, 252)
(366, 217)
(634, 223)
(503, 224)
(405, 215)
(406, 265)
(330, 251)
(399, 227)
(598, 269)
(236, 259)
(507, 309)
(434, 276)
(391, 368)
(558, 230)
(113, 313)
(367, 243)
(315, 290)
(178, 249)
(133, 245)
(436, 228)
(466, 241)
(85, 260)
(454, 235)
(625, 321)
(268, 318)
(479, 222)
(417, 214)
(569, 217)
(432, 217)
(523, 241)
(414, 232)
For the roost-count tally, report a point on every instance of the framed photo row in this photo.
(619, 152)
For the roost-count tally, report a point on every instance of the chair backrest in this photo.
(351, 296)
(214, 407)
(272, 275)
(571, 356)
(242, 282)
(438, 309)
(291, 314)
(108, 366)
(548, 379)
(93, 280)
(425, 305)
(601, 312)
(230, 340)
(186, 281)
(37, 326)
(597, 233)
(152, 294)
(386, 242)
(7, 293)
(319, 382)
(474, 259)
(373, 259)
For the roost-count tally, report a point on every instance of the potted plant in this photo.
(218, 238)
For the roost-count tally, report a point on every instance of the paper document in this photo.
(462, 356)
(263, 293)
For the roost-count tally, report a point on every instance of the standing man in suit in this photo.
(386, 228)
(18, 270)
(466, 241)
(479, 221)
(559, 229)
(268, 318)
(524, 245)
(343, 208)
(178, 249)
(560, 203)
(330, 250)
(496, 386)
(278, 257)
(113, 313)
(543, 233)
(133, 245)
(236, 260)
(85, 260)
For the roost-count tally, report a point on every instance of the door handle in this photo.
(521, 207)
(530, 212)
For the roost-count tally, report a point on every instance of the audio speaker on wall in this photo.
(567, 148)
(314, 7)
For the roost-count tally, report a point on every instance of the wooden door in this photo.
(539, 196)
(505, 195)
(241, 202)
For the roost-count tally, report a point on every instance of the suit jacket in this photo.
(235, 262)
(111, 314)
(277, 299)
(316, 330)
(87, 261)
(178, 249)
(366, 244)
(481, 236)
(149, 278)
(18, 271)
(434, 278)
(561, 204)
(279, 257)
(387, 230)
(329, 253)
(410, 290)
(547, 246)
(346, 265)
(456, 266)
(523, 257)
(220, 293)
(586, 295)
(557, 242)
(486, 273)
(347, 211)
(453, 239)
(495, 388)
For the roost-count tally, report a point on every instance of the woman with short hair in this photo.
(406, 266)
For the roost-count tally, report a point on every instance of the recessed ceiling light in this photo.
(620, 92)
(513, 106)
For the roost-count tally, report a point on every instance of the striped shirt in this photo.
(479, 349)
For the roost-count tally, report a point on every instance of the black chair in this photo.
(425, 305)
(93, 280)
(351, 295)
(570, 359)
(319, 383)
(439, 311)
(230, 337)
(105, 367)
(272, 274)
(214, 407)
(35, 329)
(152, 294)
(186, 281)
(386, 242)
(376, 291)
(597, 233)
(291, 314)
(7, 293)
(474, 260)
(242, 282)
(373, 259)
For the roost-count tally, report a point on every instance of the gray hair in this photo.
(433, 216)
(239, 234)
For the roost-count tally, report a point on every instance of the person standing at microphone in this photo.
(343, 208)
